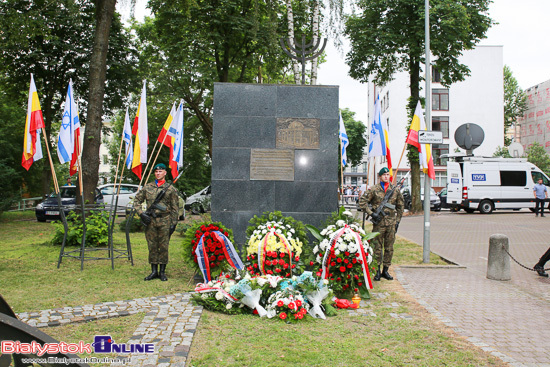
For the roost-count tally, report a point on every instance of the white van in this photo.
(489, 183)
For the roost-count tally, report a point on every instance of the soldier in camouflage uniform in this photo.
(388, 224)
(160, 224)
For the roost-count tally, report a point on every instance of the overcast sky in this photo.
(523, 30)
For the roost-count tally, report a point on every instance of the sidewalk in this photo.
(509, 319)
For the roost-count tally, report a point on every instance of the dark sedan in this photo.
(49, 208)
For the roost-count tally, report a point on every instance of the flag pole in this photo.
(81, 185)
(341, 175)
(147, 165)
(427, 183)
(158, 152)
(58, 194)
(398, 164)
(111, 215)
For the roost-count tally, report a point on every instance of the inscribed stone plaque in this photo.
(298, 133)
(272, 164)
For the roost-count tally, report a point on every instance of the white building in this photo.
(478, 99)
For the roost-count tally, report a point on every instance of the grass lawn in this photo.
(30, 281)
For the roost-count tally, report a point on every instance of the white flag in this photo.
(127, 138)
(69, 124)
(344, 141)
(377, 143)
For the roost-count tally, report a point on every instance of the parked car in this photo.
(127, 191)
(435, 202)
(48, 209)
(199, 202)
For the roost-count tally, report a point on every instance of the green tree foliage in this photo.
(356, 135)
(537, 155)
(387, 36)
(52, 40)
(502, 152)
(515, 102)
(190, 46)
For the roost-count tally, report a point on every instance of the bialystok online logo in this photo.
(101, 344)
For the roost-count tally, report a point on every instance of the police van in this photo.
(489, 183)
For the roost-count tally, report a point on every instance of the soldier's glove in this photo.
(172, 229)
(145, 219)
(396, 226)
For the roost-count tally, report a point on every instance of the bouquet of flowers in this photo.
(209, 250)
(215, 296)
(344, 256)
(253, 292)
(275, 245)
(288, 305)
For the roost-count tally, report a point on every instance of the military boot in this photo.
(154, 272)
(162, 272)
(386, 274)
(377, 276)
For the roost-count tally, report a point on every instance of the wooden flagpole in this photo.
(398, 164)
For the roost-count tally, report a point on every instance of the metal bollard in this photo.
(498, 261)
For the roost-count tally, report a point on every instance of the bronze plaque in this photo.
(298, 133)
(272, 164)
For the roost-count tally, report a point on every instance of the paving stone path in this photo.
(170, 323)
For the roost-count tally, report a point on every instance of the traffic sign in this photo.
(430, 137)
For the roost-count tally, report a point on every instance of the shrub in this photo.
(97, 234)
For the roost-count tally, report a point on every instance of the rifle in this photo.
(379, 213)
(150, 211)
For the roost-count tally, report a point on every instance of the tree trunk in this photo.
(314, 62)
(412, 154)
(98, 70)
(290, 19)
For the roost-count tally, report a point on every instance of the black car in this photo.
(49, 208)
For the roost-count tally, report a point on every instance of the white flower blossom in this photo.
(292, 230)
(261, 281)
(316, 249)
(219, 296)
(210, 284)
(264, 231)
(278, 231)
(229, 306)
(325, 281)
(340, 223)
(347, 213)
(336, 252)
(324, 232)
(204, 295)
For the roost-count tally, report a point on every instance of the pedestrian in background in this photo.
(541, 193)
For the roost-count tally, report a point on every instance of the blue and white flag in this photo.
(69, 124)
(176, 130)
(377, 142)
(344, 141)
(127, 138)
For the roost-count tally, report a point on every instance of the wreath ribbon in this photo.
(262, 249)
(228, 250)
(204, 288)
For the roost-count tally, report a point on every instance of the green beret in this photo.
(383, 170)
(159, 166)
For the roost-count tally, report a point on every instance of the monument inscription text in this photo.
(272, 164)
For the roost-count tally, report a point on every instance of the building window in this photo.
(440, 100)
(365, 167)
(437, 151)
(354, 169)
(441, 123)
(436, 75)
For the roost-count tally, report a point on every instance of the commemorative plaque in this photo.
(298, 133)
(272, 164)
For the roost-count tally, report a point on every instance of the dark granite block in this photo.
(237, 221)
(311, 165)
(231, 164)
(243, 195)
(307, 101)
(244, 99)
(245, 131)
(306, 196)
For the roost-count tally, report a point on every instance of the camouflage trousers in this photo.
(384, 241)
(157, 235)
